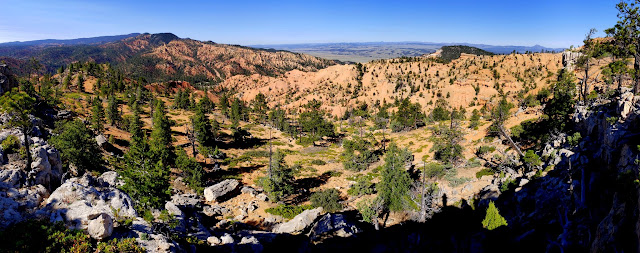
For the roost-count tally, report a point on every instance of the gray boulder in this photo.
(110, 179)
(100, 226)
(214, 192)
(299, 223)
(73, 203)
(333, 225)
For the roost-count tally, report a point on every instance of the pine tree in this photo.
(493, 219)
(224, 104)
(278, 182)
(146, 179)
(112, 112)
(202, 129)
(97, 115)
(80, 83)
(161, 134)
(260, 108)
(77, 146)
(19, 105)
(395, 183)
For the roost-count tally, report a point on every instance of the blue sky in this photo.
(559, 23)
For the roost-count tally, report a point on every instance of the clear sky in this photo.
(558, 23)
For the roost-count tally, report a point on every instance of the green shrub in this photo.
(482, 150)
(288, 211)
(435, 170)
(507, 185)
(484, 172)
(318, 162)
(328, 199)
(11, 144)
(43, 236)
(363, 186)
(493, 219)
(574, 139)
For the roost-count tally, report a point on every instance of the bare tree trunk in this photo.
(511, 142)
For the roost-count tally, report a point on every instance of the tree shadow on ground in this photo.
(304, 185)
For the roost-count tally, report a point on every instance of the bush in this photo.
(11, 144)
(574, 139)
(493, 219)
(329, 200)
(363, 186)
(318, 162)
(435, 170)
(507, 185)
(42, 236)
(287, 211)
(77, 146)
(484, 172)
(482, 150)
(192, 170)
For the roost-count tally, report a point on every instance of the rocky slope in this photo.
(164, 56)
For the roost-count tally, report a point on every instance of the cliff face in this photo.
(589, 201)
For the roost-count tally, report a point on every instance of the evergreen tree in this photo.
(202, 129)
(80, 82)
(279, 180)
(260, 108)
(493, 219)
(627, 33)
(560, 107)
(146, 179)
(224, 104)
(19, 105)
(313, 122)
(112, 112)
(97, 115)
(396, 182)
(161, 134)
(77, 146)
(191, 169)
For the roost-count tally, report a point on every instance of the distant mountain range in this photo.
(367, 51)
(160, 57)
(92, 40)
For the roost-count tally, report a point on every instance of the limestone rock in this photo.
(333, 225)
(299, 223)
(214, 192)
(110, 179)
(213, 241)
(226, 239)
(74, 202)
(100, 227)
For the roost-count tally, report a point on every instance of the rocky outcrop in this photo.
(215, 192)
(100, 226)
(7, 79)
(46, 168)
(333, 225)
(569, 59)
(74, 203)
(299, 223)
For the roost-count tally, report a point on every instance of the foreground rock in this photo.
(100, 227)
(74, 203)
(333, 225)
(299, 223)
(215, 192)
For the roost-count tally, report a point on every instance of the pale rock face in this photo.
(46, 168)
(214, 192)
(74, 202)
(333, 225)
(226, 239)
(299, 223)
(100, 227)
(213, 241)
